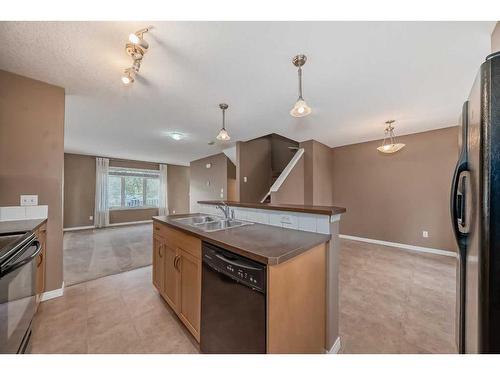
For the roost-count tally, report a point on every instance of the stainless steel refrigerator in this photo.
(475, 213)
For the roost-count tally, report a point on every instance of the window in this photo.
(133, 188)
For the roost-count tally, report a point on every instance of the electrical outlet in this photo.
(173, 211)
(425, 234)
(91, 218)
(29, 200)
(245, 179)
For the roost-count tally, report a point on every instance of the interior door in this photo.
(189, 269)
(170, 278)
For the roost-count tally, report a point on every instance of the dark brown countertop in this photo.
(321, 210)
(20, 226)
(263, 243)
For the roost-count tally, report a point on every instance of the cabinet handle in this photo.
(176, 262)
(157, 228)
(160, 252)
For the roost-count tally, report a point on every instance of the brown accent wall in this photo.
(231, 181)
(495, 38)
(131, 215)
(79, 190)
(32, 155)
(253, 160)
(216, 176)
(178, 189)
(396, 197)
(310, 182)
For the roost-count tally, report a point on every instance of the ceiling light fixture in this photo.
(128, 76)
(223, 134)
(136, 49)
(392, 146)
(176, 136)
(300, 109)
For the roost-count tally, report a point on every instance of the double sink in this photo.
(208, 223)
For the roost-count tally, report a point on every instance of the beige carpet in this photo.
(90, 254)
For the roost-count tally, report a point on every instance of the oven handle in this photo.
(25, 261)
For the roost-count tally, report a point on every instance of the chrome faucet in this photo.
(228, 212)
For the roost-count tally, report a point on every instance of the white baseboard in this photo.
(335, 349)
(129, 223)
(78, 228)
(402, 246)
(52, 293)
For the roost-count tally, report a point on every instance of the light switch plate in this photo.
(29, 200)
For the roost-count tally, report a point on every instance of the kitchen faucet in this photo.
(228, 212)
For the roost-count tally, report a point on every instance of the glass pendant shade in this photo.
(223, 135)
(391, 148)
(300, 109)
(389, 145)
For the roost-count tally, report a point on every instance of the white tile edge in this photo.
(78, 228)
(52, 294)
(402, 246)
(335, 349)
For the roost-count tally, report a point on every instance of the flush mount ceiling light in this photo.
(136, 49)
(389, 145)
(176, 136)
(223, 134)
(300, 109)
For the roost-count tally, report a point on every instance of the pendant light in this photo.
(223, 134)
(389, 145)
(300, 109)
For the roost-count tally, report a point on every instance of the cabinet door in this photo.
(190, 291)
(171, 277)
(158, 263)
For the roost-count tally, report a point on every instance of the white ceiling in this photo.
(358, 75)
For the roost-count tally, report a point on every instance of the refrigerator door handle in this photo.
(463, 202)
(457, 203)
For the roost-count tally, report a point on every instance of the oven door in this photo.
(18, 298)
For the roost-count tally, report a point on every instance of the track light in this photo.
(136, 49)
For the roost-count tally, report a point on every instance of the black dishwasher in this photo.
(233, 303)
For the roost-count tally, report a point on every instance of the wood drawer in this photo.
(178, 240)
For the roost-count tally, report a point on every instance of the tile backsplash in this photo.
(285, 219)
(23, 212)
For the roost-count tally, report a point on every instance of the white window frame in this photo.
(133, 172)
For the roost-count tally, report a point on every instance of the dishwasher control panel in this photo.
(244, 270)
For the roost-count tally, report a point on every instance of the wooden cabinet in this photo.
(177, 273)
(40, 259)
(189, 268)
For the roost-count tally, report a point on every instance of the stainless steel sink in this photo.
(221, 224)
(196, 220)
(211, 223)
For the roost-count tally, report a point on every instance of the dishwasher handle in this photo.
(237, 263)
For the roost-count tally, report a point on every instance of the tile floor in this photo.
(394, 301)
(94, 253)
(391, 301)
(121, 313)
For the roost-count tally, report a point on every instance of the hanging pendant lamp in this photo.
(389, 145)
(300, 109)
(223, 134)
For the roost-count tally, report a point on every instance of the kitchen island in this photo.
(297, 276)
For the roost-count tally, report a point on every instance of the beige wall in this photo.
(292, 189)
(396, 197)
(253, 160)
(206, 183)
(495, 38)
(178, 189)
(79, 190)
(32, 155)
